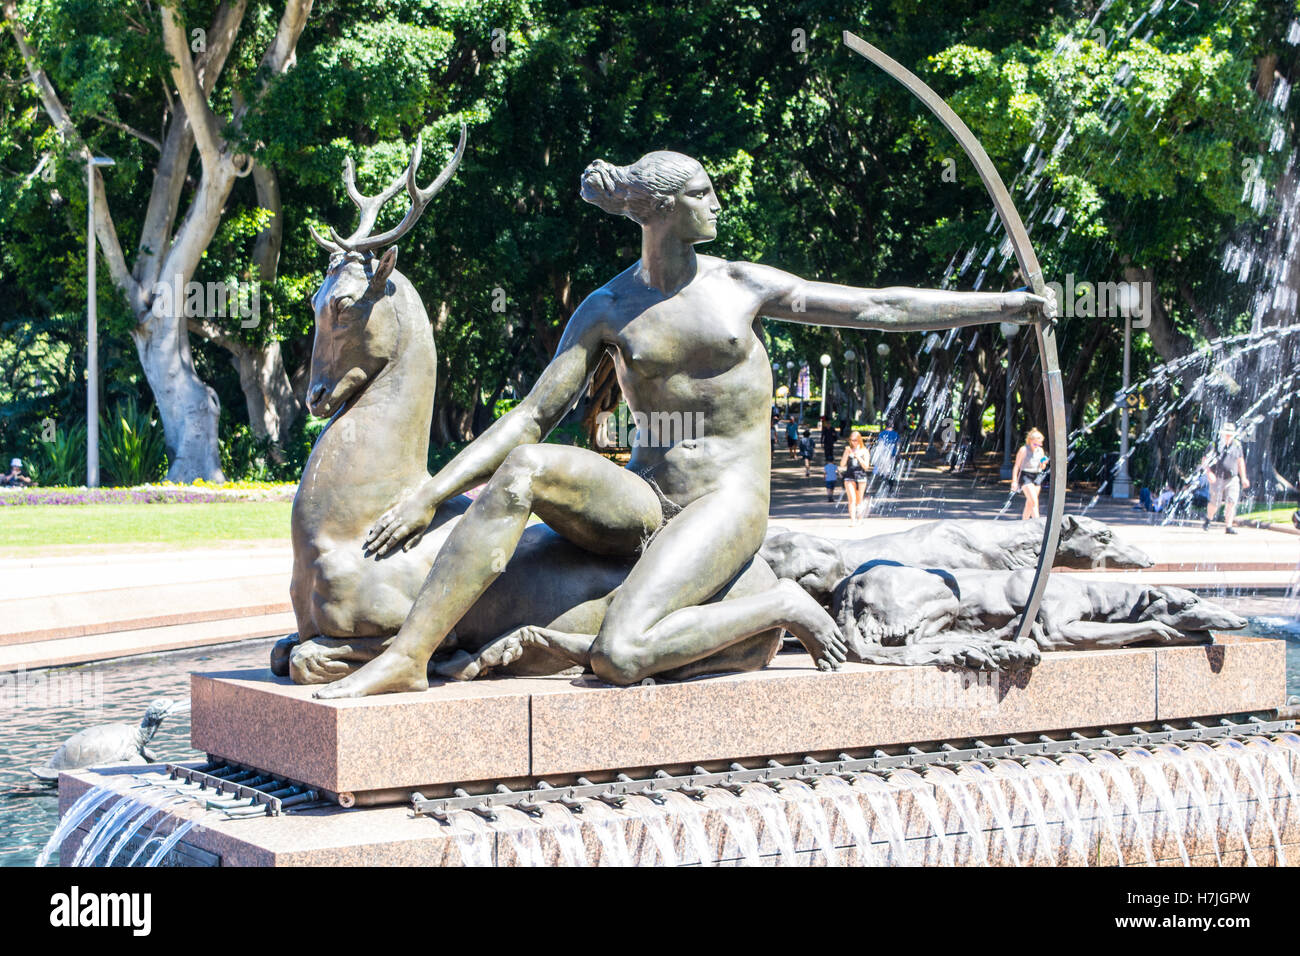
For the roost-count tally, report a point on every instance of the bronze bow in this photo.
(1045, 332)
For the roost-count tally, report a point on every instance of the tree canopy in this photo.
(1135, 137)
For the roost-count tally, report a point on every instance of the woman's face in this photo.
(694, 216)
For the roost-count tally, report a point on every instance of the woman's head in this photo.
(855, 439)
(1033, 437)
(662, 186)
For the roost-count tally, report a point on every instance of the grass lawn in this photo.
(192, 525)
(1272, 516)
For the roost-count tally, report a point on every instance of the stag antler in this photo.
(361, 240)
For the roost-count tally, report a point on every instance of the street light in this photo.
(92, 329)
(850, 357)
(1130, 297)
(1009, 331)
(826, 364)
(789, 387)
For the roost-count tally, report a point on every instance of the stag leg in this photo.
(561, 648)
(323, 660)
(280, 652)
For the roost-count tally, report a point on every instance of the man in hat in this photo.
(15, 478)
(1225, 469)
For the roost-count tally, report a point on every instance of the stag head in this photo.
(358, 323)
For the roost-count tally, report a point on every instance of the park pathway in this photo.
(68, 606)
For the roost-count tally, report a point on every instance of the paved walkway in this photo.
(1253, 556)
(67, 607)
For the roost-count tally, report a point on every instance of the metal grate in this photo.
(243, 791)
(772, 773)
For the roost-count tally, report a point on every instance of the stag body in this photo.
(374, 370)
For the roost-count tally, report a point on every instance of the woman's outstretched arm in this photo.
(792, 299)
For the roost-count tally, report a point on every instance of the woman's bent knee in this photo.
(511, 485)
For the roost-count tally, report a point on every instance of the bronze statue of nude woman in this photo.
(684, 331)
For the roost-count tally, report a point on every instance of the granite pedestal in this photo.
(374, 753)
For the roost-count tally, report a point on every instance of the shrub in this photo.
(131, 447)
(63, 460)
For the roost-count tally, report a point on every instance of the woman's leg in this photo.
(854, 496)
(658, 620)
(583, 496)
(1031, 499)
(774, 605)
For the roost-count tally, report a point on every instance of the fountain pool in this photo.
(39, 714)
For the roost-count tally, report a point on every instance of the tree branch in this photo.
(169, 174)
(281, 54)
(143, 137)
(204, 214)
(266, 251)
(202, 120)
(105, 231)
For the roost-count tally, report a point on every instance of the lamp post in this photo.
(1129, 299)
(826, 364)
(882, 349)
(92, 329)
(850, 357)
(1009, 331)
(789, 384)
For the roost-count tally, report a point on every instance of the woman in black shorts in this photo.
(1030, 471)
(853, 465)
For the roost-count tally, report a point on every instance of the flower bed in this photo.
(201, 492)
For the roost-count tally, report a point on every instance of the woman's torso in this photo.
(695, 375)
(1035, 460)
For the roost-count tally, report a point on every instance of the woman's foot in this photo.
(390, 673)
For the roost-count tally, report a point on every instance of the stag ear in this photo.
(383, 269)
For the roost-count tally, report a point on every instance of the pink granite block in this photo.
(1234, 675)
(792, 708)
(463, 732)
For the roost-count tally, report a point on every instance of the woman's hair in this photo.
(1031, 433)
(639, 190)
(855, 434)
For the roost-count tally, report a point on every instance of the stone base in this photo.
(1230, 804)
(381, 749)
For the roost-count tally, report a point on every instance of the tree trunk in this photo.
(1166, 338)
(868, 393)
(272, 405)
(189, 409)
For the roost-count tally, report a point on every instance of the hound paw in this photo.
(280, 652)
